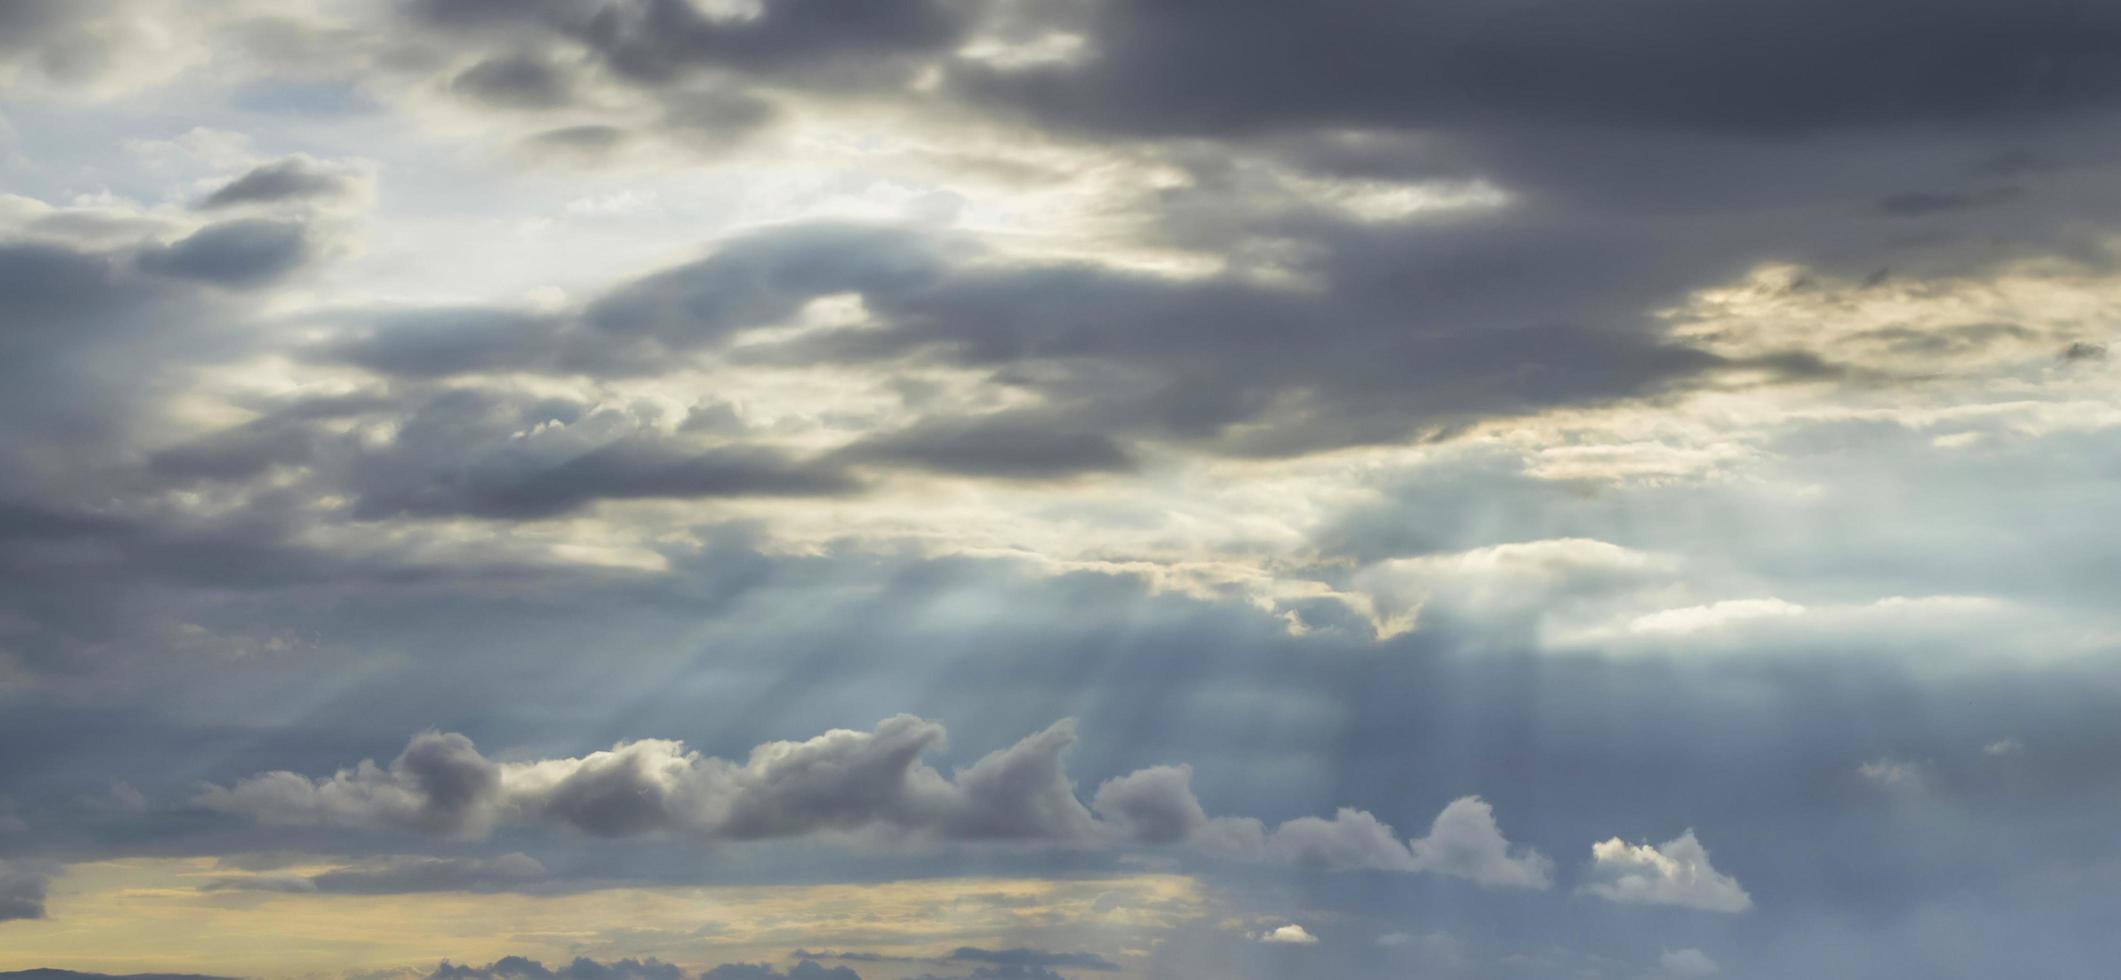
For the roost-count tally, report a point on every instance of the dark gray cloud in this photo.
(237, 254)
(1193, 66)
(1016, 445)
(292, 179)
(22, 889)
(520, 80)
(1154, 805)
(91, 336)
(443, 341)
(2084, 351)
(459, 454)
(1915, 204)
(1381, 355)
(517, 488)
(500, 456)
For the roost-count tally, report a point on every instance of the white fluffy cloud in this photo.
(1289, 935)
(1676, 872)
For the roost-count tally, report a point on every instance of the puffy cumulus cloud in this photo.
(841, 782)
(1464, 842)
(22, 888)
(1157, 806)
(1352, 839)
(439, 784)
(1676, 872)
(1288, 935)
(582, 968)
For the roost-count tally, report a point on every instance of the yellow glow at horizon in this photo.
(145, 915)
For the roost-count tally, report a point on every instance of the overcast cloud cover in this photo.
(1032, 489)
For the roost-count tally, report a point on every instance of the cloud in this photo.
(22, 888)
(1289, 935)
(654, 44)
(94, 49)
(237, 254)
(2080, 350)
(1012, 445)
(498, 455)
(1894, 773)
(1687, 963)
(1353, 839)
(1110, 358)
(1676, 872)
(518, 80)
(402, 875)
(1154, 805)
(1033, 959)
(294, 179)
(2002, 748)
(805, 970)
(1186, 68)
(841, 781)
(582, 968)
(1922, 204)
(1464, 842)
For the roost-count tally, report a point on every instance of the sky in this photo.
(1060, 489)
